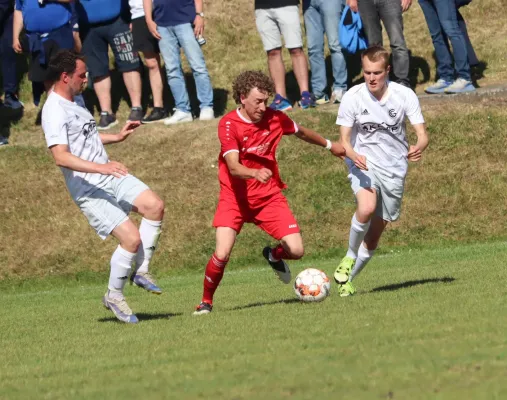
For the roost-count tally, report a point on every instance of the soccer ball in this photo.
(312, 285)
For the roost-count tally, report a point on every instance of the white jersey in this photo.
(379, 126)
(136, 8)
(64, 122)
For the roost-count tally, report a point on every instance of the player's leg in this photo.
(225, 239)
(366, 204)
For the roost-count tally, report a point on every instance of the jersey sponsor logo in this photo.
(263, 148)
(392, 113)
(372, 127)
(89, 128)
(365, 112)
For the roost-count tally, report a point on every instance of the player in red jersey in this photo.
(250, 184)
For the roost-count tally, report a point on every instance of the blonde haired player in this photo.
(372, 129)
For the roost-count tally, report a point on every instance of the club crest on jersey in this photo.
(89, 128)
(392, 113)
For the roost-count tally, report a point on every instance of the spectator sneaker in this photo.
(337, 95)
(280, 267)
(107, 121)
(438, 87)
(306, 101)
(11, 101)
(136, 114)
(3, 141)
(207, 114)
(280, 103)
(145, 281)
(120, 309)
(203, 308)
(460, 85)
(322, 100)
(178, 117)
(158, 114)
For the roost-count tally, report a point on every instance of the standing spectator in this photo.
(390, 13)
(145, 43)
(323, 16)
(49, 27)
(101, 25)
(441, 17)
(178, 24)
(8, 56)
(275, 18)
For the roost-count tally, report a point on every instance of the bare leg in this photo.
(300, 67)
(157, 87)
(132, 81)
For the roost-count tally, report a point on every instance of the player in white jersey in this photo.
(103, 189)
(372, 129)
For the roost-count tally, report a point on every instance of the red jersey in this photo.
(256, 144)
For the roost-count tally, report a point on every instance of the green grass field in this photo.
(425, 324)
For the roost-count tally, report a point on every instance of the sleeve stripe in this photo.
(230, 151)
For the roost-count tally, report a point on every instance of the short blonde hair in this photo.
(376, 53)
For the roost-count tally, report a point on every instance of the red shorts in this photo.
(274, 216)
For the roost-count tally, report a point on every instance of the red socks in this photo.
(279, 253)
(212, 277)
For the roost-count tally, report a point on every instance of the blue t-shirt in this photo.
(173, 12)
(96, 11)
(45, 18)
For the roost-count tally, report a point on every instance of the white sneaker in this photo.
(460, 85)
(337, 95)
(207, 114)
(178, 117)
(3, 141)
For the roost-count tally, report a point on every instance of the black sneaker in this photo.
(203, 308)
(280, 267)
(11, 101)
(158, 114)
(136, 115)
(107, 121)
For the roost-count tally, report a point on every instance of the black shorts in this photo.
(144, 41)
(97, 38)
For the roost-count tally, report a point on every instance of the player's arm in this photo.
(415, 152)
(119, 137)
(238, 170)
(358, 160)
(64, 158)
(313, 137)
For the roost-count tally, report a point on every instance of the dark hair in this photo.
(249, 80)
(376, 53)
(63, 61)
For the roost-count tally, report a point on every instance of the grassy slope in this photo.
(425, 324)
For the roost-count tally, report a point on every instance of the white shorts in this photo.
(389, 190)
(109, 206)
(272, 23)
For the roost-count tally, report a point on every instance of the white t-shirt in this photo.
(379, 126)
(136, 8)
(64, 122)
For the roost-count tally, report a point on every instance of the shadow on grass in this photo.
(144, 317)
(407, 284)
(261, 304)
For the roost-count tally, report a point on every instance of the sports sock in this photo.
(121, 262)
(212, 277)
(279, 253)
(150, 232)
(363, 256)
(357, 232)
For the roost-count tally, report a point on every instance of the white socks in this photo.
(150, 232)
(363, 256)
(121, 262)
(357, 233)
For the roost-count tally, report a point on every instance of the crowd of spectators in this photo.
(160, 29)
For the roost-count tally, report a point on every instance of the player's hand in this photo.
(198, 26)
(113, 168)
(128, 129)
(353, 5)
(405, 5)
(338, 150)
(360, 162)
(16, 45)
(263, 175)
(152, 27)
(414, 154)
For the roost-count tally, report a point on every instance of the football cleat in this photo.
(342, 272)
(280, 267)
(203, 308)
(146, 281)
(120, 309)
(346, 289)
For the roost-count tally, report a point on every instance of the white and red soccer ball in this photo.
(312, 285)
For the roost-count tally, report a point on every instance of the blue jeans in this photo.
(323, 16)
(174, 38)
(441, 18)
(7, 54)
